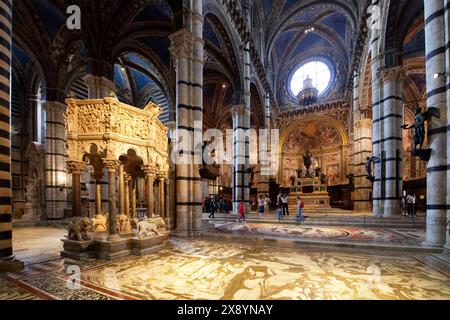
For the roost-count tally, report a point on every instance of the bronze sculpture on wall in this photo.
(369, 162)
(419, 133)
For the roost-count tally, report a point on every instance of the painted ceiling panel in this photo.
(158, 11)
(415, 47)
(312, 40)
(21, 56)
(267, 6)
(419, 80)
(53, 18)
(337, 22)
(140, 80)
(118, 77)
(160, 45)
(288, 4)
(210, 34)
(283, 41)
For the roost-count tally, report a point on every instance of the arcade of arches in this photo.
(90, 117)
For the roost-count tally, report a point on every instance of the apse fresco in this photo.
(311, 135)
(323, 141)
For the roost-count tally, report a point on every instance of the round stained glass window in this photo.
(318, 71)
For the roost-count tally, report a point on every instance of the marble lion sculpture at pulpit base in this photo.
(123, 224)
(150, 227)
(78, 229)
(100, 223)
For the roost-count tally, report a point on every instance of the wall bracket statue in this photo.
(418, 128)
(369, 162)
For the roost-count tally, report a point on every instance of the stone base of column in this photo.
(78, 250)
(145, 246)
(10, 265)
(392, 208)
(363, 206)
(113, 248)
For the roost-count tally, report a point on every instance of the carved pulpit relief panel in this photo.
(114, 128)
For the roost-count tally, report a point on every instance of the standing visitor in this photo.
(213, 205)
(267, 203)
(208, 205)
(285, 205)
(241, 212)
(261, 205)
(280, 210)
(410, 204)
(300, 206)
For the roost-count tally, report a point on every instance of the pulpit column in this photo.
(112, 166)
(162, 211)
(133, 198)
(150, 179)
(76, 168)
(121, 189)
(127, 195)
(98, 192)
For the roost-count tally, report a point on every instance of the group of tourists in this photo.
(264, 205)
(283, 208)
(212, 205)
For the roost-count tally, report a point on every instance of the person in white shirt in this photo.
(410, 204)
(261, 205)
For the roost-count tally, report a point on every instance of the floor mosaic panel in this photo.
(317, 233)
(204, 269)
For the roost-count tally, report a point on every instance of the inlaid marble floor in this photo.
(37, 244)
(328, 234)
(204, 269)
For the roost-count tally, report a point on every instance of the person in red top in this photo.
(241, 212)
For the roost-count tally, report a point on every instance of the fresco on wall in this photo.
(323, 141)
(226, 174)
(310, 135)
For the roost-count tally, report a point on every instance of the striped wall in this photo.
(6, 250)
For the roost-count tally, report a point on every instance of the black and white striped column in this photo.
(187, 50)
(435, 49)
(362, 149)
(197, 108)
(56, 178)
(376, 113)
(391, 142)
(241, 190)
(264, 160)
(447, 69)
(7, 262)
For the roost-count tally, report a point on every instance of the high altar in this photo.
(310, 186)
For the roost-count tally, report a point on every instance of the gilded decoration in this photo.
(327, 141)
(111, 128)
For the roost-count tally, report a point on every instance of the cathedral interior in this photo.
(101, 106)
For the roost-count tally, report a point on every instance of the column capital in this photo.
(54, 106)
(111, 164)
(162, 175)
(239, 110)
(364, 123)
(75, 167)
(149, 170)
(395, 74)
(181, 44)
(99, 87)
